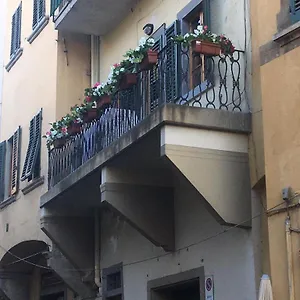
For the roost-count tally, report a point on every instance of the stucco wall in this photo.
(228, 257)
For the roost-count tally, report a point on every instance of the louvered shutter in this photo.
(35, 13)
(18, 27)
(13, 34)
(155, 74)
(2, 169)
(172, 69)
(295, 10)
(206, 13)
(34, 146)
(41, 9)
(15, 166)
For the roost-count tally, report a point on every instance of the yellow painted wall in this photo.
(39, 79)
(276, 87)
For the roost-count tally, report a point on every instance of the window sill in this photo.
(38, 29)
(33, 185)
(8, 201)
(288, 34)
(14, 59)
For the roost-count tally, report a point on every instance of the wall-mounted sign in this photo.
(209, 288)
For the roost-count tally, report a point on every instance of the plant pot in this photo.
(206, 48)
(90, 115)
(127, 81)
(59, 143)
(103, 100)
(149, 60)
(74, 129)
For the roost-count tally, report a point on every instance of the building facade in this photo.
(275, 55)
(163, 194)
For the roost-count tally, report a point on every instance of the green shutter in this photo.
(2, 169)
(16, 30)
(295, 10)
(34, 147)
(172, 69)
(206, 13)
(38, 12)
(155, 74)
(15, 166)
(35, 13)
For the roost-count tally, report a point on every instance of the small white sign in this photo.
(209, 288)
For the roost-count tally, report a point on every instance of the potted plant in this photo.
(202, 41)
(73, 122)
(104, 92)
(57, 135)
(88, 110)
(123, 74)
(143, 55)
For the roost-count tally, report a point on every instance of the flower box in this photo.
(103, 100)
(127, 81)
(149, 60)
(206, 48)
(74, 128)
(90, 115)
(59, 143)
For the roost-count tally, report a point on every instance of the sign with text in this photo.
(209, 288)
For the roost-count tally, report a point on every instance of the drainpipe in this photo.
(97, 250)
(289, 258)
(95, 59)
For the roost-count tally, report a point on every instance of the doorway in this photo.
(187, 285)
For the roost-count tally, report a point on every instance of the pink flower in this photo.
(116, 65)
(48, 133)
(96, 84)
(205, 27)
(88, 99)
(64, 130)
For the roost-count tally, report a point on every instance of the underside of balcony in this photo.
(90, 16)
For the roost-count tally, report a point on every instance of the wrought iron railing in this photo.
(180, 77)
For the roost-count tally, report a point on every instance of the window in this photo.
(32, 164)
(9, 166)
(113, 283)
(16, 31)
(198, 66)
(38, 12)
(295, 10)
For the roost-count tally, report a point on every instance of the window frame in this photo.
(105, 274)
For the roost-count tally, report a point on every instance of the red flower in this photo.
(64, 130)
(96, 84)
(116, 65)
(88, 99)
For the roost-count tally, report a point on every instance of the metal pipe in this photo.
(97, 249)
(289, 258)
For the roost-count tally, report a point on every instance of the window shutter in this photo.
(155, 76)
(2, 169)
(172, 64)
(13, 34)
(38, 12)
(295, 10)
(18, 27)
(15, 167)
(33, 146)
(41, 9)
(35, 13)
(206, 13)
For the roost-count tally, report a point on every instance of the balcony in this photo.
(89, 16)
(215, 83)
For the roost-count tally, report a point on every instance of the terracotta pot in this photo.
(128, 80)
(74, 129)
(149, 60)
(103, 100)
(206, 48)
(90, 115)
(59, 143)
